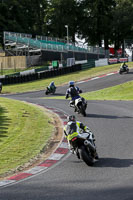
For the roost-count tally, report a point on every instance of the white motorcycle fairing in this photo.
(79, 100)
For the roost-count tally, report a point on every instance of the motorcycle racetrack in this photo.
(111, 178)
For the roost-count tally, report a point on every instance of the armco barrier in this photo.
(8, 80)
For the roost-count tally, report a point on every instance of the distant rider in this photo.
(124, 66)
(74, 128)
(52, 86)
(73, 92)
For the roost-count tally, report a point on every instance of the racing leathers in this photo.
(73, 129)
(124, 66)
(52, 86)
(73, 92)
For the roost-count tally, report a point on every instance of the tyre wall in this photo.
(39, 75)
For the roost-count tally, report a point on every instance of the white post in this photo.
(67, 34)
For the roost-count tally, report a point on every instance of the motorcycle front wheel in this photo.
(86, 156)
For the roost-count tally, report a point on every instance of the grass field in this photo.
(119, 92)
(24, 132)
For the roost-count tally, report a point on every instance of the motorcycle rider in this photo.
(52, 86)
(74, 128)
(73, 92)
(124, 66)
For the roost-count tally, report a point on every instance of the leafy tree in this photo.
(96, 23)
(26, 16)
(122, 24)
(94, 20)
(61, 13)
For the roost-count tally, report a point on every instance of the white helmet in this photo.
(71, 118)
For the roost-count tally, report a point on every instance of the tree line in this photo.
(95, 20)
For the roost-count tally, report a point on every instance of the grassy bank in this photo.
(60, 80)
(119, 92)
(24, 131)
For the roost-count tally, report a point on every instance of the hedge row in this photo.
(41, 75)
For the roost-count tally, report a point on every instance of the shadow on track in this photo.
(130, 72)
(114, 162)
(107, 116)
(56, 94)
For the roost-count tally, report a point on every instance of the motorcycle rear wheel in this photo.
(120, 72)
(82, 111)
(46, 92)
(53, 92)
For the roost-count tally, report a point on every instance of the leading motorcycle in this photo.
(80, 106)
(85, 148)
(123, 70)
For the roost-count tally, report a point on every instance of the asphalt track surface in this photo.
(111, 178)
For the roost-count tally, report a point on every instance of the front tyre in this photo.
(86, 157)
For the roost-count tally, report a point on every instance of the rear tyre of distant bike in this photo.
(120, 72)
(82, 110)
(46, 92)
(53, 92)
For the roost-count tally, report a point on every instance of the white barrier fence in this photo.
(101, 62)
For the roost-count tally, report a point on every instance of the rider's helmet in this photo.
(71, 83)
(52, 83)
(71, 118)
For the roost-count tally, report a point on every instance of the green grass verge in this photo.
(60, 80)
(119, 92)
(24, 131)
